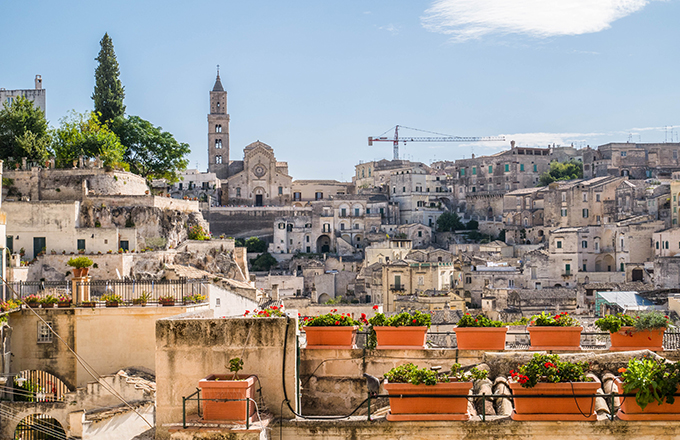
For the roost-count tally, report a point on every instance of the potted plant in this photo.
(80, 265)
(332, 330)
(639, 332)
(480, 333)
(654, 383)
(64, 301)
(92, 304)
(142, 299)
(559, 332)
(48, 301)
(112, 299)
(408, 379)
(193, 299)
(546, 374)
(402, 331)
(32, 301)
(235, 387)
(166, 300)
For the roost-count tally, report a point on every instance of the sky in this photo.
(315, 79)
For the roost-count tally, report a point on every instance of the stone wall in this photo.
(190, 349)
(244, 222)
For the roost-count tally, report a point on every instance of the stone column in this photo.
(80, 286)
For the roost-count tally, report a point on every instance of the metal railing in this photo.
(131, 290)
(26, 288)
(198, 399)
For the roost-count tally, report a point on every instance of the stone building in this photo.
(376, 174)
(36, 95)
(637, 161)
(581, 202)
(306, 191)
(420, 196)
(218, 131)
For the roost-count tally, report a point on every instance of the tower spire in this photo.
(218, 83)
(218, 71)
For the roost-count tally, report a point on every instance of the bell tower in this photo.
(218, 131)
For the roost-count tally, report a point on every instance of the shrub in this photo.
(79, 262)
(549, 368)
(652, 380)
(643, 321)
(196, 232)
(477, 321)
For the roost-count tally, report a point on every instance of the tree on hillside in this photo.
(108, 90)
(562, 171)
(23, 132)
(84, 135)
(150, 151)
(449, 221)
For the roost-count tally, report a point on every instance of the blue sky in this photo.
(315, 79)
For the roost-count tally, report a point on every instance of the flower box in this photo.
(555, 338)
(630, 410)
(331, 337)
(139, 302)
(88, 304)
(219, 386)
(481, 338)
(166, 302)
(628, 339)
(47, 305)
(33, 304)
(556, 408)
(400, 337)
(64, 304)
(112, 303)
(428, 408)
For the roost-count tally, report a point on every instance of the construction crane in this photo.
(439, 138)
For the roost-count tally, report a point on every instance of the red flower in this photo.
(273, 307)
(549, 365)
(375, 307)
(363, 316)
(247, 311)
(337, 322)
(414, 321)
(299, 314)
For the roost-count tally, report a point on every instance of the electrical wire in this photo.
(88, 368)
(8, 413)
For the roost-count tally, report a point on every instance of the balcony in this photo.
(397, 288)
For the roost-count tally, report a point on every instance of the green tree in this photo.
(83, 135)
(449, 221)
(263, 263)
(108, 90)
(562, 171)
(24, 132)
(150, 151)
(254, 244)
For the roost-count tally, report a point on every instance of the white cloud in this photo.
(471, 19)
(391, 28)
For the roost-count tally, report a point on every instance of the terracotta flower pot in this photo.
(219, 386)
(400, 337)
(79, 272)
(627, 339)
(428, 408)
(555, 338)
(556, 408)
(481, 338)
(630, 410)
(331, 337)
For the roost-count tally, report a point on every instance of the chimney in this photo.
(512, 144)
(38, 82)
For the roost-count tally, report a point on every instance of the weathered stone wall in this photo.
(189, 349)
(248, 221)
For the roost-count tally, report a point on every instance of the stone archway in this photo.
(39, 427)
(324, 298)
(323, 244)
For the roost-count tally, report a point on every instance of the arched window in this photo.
(218, 143)
(218, 129)
(218, 159)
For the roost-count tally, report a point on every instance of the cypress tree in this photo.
(108, 90)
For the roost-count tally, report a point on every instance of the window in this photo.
(342, 226)
(81, 245)
(597, 245)
(421, 280)
(218, 129)
(507, 167)
(282, 226)
(474, 171)
(474, 189)
(326, 227)
(559, 244)
(368, 210)
(584, 267)
(318, 196)
(343, 212)
(125, 245)
(356, 225)
(622, 244)
(666, 245)
(307, 239)
(597, 197)
(291, 241)
(622, 268)
(356, 212)
(584, 244)
(468, 280)
(657, 245)
(369, 172)
(462, 172)
(585, 212)
(623, 154)
(362, 174)
(403, 189)
(564, 197)
(563, 211)
(218, 159)
(675, 154)
(521, 167)
(535, 168)
(238, 192)
(218, 143)
(490, 169)
(420, 233)
(280, 190)
(44, 332)
(585, 196)
(297, 196)
(567, 269)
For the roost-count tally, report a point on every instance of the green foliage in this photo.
(112, 298)
(263, 263)
(410, 373)
(561, 320)
(549, 368)
(151, 152)
(79, 262)
(643, 321)
(472, 225)
(449, 221)
(24, 132)
(28, 390)
(331, 319)
(254, 244)
(477, 321)
(108, 90)
(84, 135)
(562, 171)
(49, 299)
(652, 380)
(403, 319)
(235, 365)
(196, 232)
(269, 312)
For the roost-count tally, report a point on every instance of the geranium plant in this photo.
(652, 380)
(32, 298)
(269, 312)
(49, 299)
(548, 368)
(331, 319)
(410, 373)
(477, 321)
(64, 298)
(403, 319)
(643, 321)
(560, 320)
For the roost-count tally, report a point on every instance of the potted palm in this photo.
(639, 332)
(480, 333)
(143, 298)
(546, 375)
(559, 332)
(655, 382)
(238, 389)
(332, 330)
(408, 379)
(80, 265)
(112, 299)
(405, 330)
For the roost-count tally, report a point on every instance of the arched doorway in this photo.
(39, 427)
(324, 298)
(323, 244)
(39, 386)
(638, 275)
